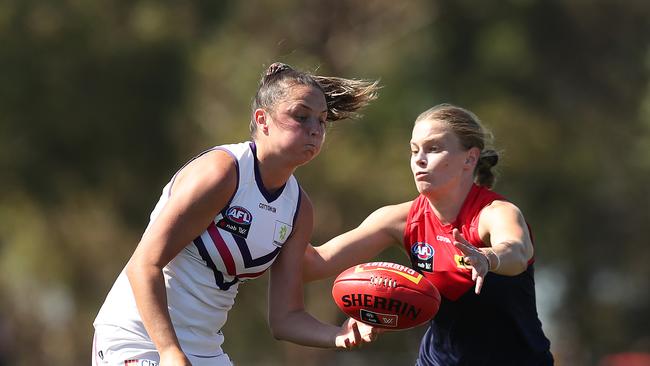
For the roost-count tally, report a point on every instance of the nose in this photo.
(316, 128)
(420, 159)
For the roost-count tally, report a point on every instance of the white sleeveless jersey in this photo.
(240, 243)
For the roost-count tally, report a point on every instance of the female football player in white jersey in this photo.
(227, 216)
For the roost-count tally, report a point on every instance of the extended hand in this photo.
(475, 258)
(354, 333)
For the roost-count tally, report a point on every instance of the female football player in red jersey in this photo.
(469, 241)
(226, 217)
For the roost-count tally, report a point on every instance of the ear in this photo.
(472, 157)
(261, 120)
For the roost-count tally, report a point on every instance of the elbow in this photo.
(276, 334)
(514, 268)
(520, 263)
(526, 255)
(277, 330)
(130, 269)
(284, 325)
(312, 265)
(136, 270)
(520, 267)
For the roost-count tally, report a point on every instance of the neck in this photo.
(273, 170)
(446, 205)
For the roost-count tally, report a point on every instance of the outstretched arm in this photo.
(503, 228)
(288, 319)
(377, 232)
(506, 231)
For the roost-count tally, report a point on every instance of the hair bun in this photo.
(277, 67)
(491, 157)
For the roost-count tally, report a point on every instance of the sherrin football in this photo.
(386, 295)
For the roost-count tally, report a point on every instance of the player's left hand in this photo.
(354, 333)
(475, 258)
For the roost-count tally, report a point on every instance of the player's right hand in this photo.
(475, 258)
(354, 333)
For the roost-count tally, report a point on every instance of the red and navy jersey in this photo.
(430, 242)
(500, 326)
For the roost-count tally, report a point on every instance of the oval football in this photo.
(386, 295)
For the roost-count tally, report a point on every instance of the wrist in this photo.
(494, 262)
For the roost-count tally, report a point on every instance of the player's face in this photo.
(438, 160)
(297, 124)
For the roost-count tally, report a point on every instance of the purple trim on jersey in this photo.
(237, 167)
(246, 254)
(270, 197)
(200, 356)
(251, 275)
(198, 156)
(295, 213)
(218, 276)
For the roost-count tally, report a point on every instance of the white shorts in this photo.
(113, 346)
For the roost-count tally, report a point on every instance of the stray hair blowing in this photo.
(344, 97)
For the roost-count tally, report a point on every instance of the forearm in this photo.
(508, 258)
(301, 328)
(354, 247)
(148, 286)
(329, 260)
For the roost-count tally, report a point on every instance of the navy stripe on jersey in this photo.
(246, 254)
(218, 276)
(295, 213)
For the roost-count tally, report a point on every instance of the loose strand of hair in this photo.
(346, 96)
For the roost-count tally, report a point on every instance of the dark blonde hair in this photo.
(471, 133)
(344, 97)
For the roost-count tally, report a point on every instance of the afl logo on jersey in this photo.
(422, 256)
(239, 215)
(237, 220)
(422, 251)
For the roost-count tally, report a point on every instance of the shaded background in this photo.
(100, 103)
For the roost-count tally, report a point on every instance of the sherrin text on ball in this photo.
(386, 295)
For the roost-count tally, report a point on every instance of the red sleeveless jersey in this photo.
(430, 242)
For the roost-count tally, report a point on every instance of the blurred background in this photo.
(101, 102)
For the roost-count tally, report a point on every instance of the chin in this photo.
(306, 160)
(423, 187)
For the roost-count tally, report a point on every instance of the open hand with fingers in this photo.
(355, 333)
(475, 258)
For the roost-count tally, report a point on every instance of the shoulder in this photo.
(305, 215)
(306, 206)
(499, 207)
(213, 171)
(499, 212)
